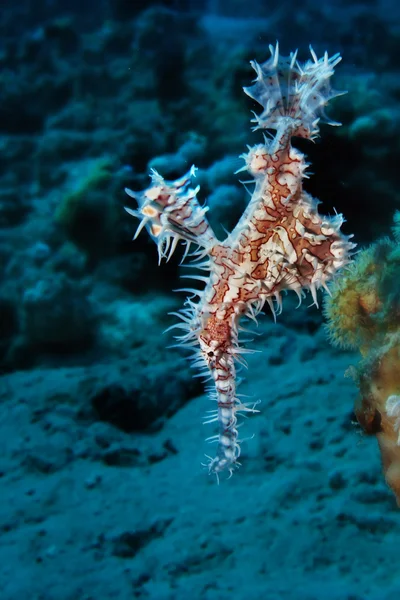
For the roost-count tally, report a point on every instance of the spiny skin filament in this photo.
(280, 243)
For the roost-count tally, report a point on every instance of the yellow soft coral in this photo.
(354, 303)
(364, 312)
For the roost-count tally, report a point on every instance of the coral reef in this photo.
(87, 213)
(363, 312)
(100, 434)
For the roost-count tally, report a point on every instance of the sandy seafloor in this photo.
(102, 490)
(91, 512)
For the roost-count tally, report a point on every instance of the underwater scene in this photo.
(199, 300)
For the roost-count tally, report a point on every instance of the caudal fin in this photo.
(286, 88)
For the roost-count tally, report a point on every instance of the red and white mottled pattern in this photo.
(280, 243)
